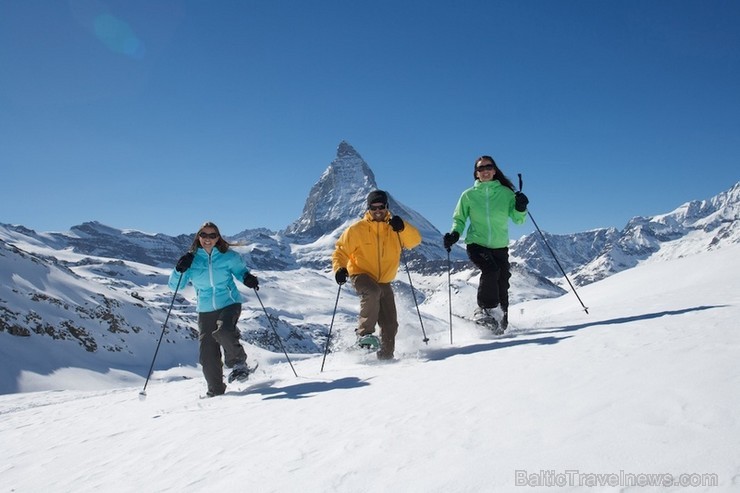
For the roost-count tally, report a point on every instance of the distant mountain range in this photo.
(338, 198)
(694, 227)
(103, 290)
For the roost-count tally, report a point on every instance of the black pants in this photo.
(493, 263)
(218, 330)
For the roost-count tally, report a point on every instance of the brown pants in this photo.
(218, 330)
(377, 306)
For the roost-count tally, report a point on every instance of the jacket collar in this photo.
(368, 217)
(487, 184)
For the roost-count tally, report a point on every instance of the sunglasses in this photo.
(377, 207)
(484, 167)
(210, 236)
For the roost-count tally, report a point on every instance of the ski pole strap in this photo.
(520, 181)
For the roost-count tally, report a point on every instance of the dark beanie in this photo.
(377, 196)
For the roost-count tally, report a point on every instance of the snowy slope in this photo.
(66, 309)
(645, 385)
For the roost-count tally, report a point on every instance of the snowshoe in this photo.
(241, 372)
(489, 318)
(484, 316)
(368, 341)
(497, 329)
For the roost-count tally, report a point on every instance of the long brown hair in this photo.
(222, 245)
(500, 176)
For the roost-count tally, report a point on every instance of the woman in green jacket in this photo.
(487, 206)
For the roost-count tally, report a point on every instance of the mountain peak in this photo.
(338, 196)
(346, 150)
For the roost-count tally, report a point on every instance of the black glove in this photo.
(450, 239)
(185, 262)
(341, 275)
(251, 281)
(520, 201)
(396, 223)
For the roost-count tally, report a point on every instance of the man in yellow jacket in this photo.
(369, 253)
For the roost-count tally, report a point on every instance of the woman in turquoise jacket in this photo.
(211, 267)
(488, 206)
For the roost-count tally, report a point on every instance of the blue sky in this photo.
(159, 115)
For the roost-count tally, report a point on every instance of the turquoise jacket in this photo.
(488, 205)
(213, 278)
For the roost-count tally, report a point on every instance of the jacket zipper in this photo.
(210, 278)
(380, 255)
(488, 213)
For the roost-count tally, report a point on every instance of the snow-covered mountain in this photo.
(63, 309)
(694, 227)
(100, 293)
(99, 240)
(338, 199)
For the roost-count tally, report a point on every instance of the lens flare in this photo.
(118, 36)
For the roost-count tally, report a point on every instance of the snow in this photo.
(645, 384)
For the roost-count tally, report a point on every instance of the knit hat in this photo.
(377, 196)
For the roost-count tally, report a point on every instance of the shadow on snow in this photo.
(621, 320)
(303, 390)
(440, 354)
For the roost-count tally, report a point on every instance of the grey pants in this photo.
(377, 306)
(218, 330)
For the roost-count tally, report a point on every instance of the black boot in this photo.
(216, 391)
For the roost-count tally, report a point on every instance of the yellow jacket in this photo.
(373, 248)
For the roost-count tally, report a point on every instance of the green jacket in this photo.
(488, 205)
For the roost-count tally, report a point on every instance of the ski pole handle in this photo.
(520, 181)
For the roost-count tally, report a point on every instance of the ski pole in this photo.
(142, 394)
(413, 293)
(544, 240)
(269, 320)
(328, 336)
(449, 290)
